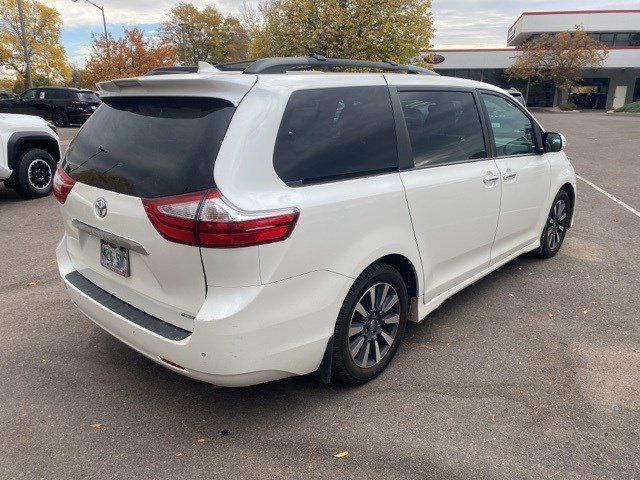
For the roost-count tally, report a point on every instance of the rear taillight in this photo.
(62, 184)
(206, 219)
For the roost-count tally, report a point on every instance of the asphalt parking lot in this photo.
(533, 372)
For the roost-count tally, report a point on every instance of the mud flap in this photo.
(324, 370)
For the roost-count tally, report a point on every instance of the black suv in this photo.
(62, 105)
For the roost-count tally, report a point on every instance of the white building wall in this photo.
(503, 58)
(550, 22)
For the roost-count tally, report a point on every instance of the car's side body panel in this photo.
(16, 129)
(371, 210)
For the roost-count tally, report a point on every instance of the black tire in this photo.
(556, 226)
(60, 118)
(344, 367)
(33, 177)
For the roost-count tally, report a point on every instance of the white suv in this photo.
(244, 226)
(29, 150)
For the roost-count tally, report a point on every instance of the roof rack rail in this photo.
(285, 64)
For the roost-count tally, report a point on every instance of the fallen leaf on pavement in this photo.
(31, 284)
(637, 350)
(96, 425)
(201, 440)
(341, 454)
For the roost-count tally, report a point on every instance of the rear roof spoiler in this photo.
(228, 87)
(202, 67)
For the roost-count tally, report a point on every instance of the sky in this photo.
(459, 23)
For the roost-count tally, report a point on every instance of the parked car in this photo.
(517, 94)
(244, 227)
(29, 151)
(62, 105)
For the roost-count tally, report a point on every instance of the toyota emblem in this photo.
(100, 207)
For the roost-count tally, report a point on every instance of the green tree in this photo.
(560, 58)
(42, 29)
(360, 29)
(204, 35)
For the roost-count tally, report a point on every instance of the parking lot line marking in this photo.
(615, 199)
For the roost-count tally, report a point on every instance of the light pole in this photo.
(104, 23)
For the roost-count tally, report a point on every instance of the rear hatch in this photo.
(135, 148)
(87, 101)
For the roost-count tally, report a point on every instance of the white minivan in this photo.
(256, 221)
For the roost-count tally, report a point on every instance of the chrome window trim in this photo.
(109, 237)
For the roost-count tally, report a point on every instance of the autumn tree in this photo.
(204, 35)
(360, 29)
(559, 58)
(129, 56)
(42, 25)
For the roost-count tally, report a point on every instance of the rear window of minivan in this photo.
(150, 146)
(336, 133)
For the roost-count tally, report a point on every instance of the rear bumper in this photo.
(79, 117)
(241, 336)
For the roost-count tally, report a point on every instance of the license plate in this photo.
(115, 258)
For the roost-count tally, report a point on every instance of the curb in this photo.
(624, 114)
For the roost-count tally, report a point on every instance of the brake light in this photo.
(62, 184)
(206, 219)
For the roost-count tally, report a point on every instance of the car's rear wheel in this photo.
(370, 325)
(34, 174)
(556, 226)
(60, 118)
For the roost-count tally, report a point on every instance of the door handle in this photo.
(491, 178)
(509, 176)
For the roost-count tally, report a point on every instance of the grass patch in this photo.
(629, 108)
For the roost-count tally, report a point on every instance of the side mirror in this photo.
(553, 142)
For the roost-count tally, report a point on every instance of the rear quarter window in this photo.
(335, 133)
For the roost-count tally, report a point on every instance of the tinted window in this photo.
(607, 39)
(29, 95)
(336, 132)
(444, 127)
(55, 94)
(88, 97)
(621, 40)
(512, 129)
(150, 146)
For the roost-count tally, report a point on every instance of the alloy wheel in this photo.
(374, 325)
(557, 224)
(39, 173)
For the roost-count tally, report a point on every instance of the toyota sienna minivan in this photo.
(255, 221)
